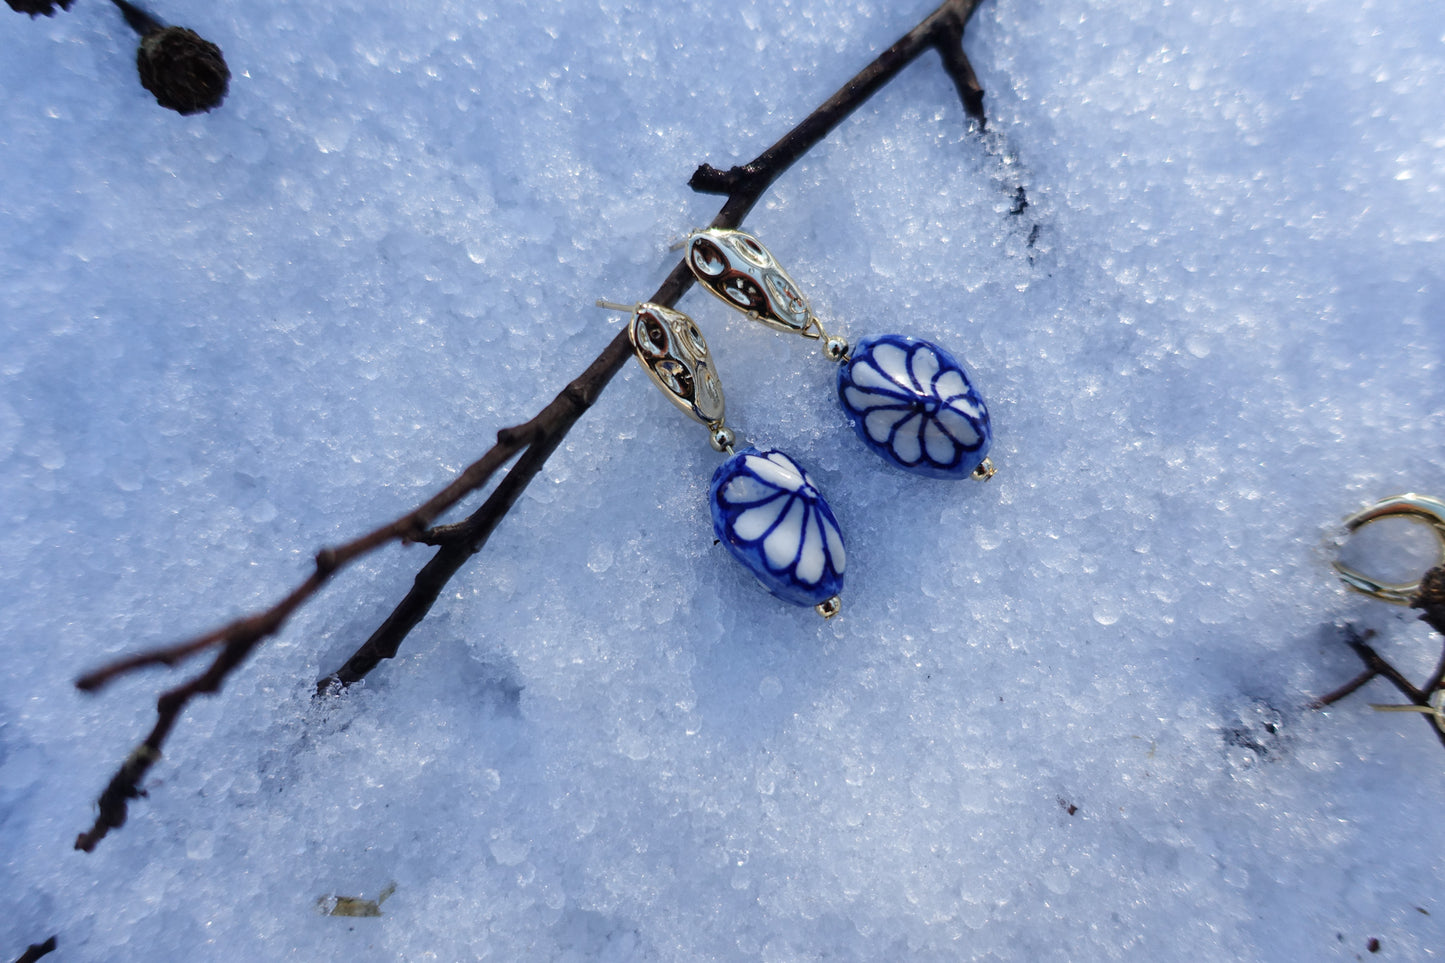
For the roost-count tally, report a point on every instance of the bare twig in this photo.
(141, 21)
(534, 441)
(1347, 689)
(1431, 602)
(35, 951)
(1379, 666)
(941, 30)
(465, 539)
(237, 639)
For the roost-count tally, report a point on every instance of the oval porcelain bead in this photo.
(912, 403)
(773, 520)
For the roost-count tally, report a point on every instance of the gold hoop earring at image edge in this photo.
(1421, 508)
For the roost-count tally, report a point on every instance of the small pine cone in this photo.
(185, 71)
(1431, 600)
(37, 7)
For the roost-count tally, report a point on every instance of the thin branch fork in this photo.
(409, 527)
(531, 442)
(1431, 603)
(238, 639)
(941, 30)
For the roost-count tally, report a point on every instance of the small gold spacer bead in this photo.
(722, 438)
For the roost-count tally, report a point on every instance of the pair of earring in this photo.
(909, 401)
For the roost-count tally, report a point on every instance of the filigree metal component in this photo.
(735, 267)
(675, 356)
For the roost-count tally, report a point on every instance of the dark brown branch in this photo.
(466, 538)
(949, 44)
(1437, 677)
(1431, 602)
(35, 951)
(1379, 666)
(535, 440)
(140, 21)
(237, 639)
(462, 540)
(1349, 688)
(254, 628)
(942, 30)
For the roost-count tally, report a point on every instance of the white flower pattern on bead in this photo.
(912, 403)
(773, 519)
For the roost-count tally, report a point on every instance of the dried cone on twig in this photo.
(37, 7)
(185, 71)
(1431, 600)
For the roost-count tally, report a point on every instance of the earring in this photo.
(765, 507)
(1420, 508)
(909, 400)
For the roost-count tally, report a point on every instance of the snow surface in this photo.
(231, 339)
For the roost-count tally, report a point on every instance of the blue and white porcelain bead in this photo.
(773, 520)
(913, 404)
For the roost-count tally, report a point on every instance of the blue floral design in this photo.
(914, 405)
(773, 520)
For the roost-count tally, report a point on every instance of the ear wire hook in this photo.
(1436, 708)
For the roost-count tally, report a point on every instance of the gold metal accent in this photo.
(675, 356)
(835, 349)
(1420, 508)
(1436, 708)
(736, 268)
(829, 608)
(985, 470)
(722, 438)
